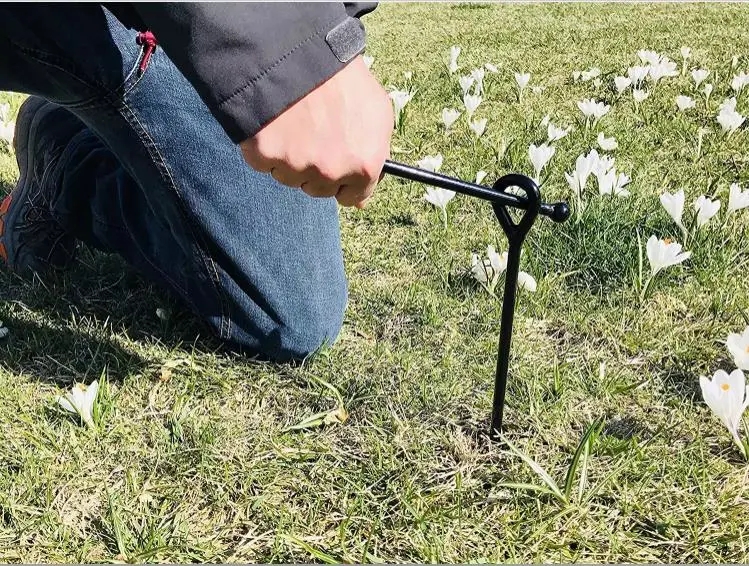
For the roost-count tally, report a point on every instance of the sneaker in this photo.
(31, 240)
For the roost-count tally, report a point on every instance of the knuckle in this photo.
(326, 171)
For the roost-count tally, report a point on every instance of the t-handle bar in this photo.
(558, 212)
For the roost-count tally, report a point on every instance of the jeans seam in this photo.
(207, 261)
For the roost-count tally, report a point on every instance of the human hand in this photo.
(332, 142)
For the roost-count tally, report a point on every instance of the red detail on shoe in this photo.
(6, 204)
(3, 253)
(148, 39)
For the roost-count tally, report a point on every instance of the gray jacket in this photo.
(251, 61)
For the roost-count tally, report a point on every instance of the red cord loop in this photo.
(148, 39)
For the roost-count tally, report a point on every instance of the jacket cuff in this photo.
(310, 63)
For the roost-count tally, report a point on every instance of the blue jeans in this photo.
(155, 179)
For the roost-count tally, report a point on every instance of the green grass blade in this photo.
(319, 554)
(536, 467)
(581, 456)
(527, 487)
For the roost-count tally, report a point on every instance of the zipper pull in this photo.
(148, 39)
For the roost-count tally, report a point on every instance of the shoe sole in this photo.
(29, 115)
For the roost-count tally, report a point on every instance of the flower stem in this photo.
(646, 288)
(739, 443)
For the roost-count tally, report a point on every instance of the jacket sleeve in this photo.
(251, 61)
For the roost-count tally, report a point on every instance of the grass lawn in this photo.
(197, 457)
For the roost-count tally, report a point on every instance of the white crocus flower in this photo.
(454, 54)
(699, 75)
(649, 56)
(737, 199)
(478, 126)
(734, 61)
(577, 182)
(738, 346)
(730, 120)
(674, 205)
(637, 74)
(481, 269)
(544, 121)
(478, 76)
(7, 131)
(80, 400)
(408, 75)
(162, 313)
(3, 331)
(606, 182)
(664, 253)
(466, 82)
(599, 164)
(488, 270)
(498, 261)
(686, 53)
(590, 74)
(555, 133)
(480, 176)
(400, 98)
(4, 112)
(606, 144)
(522, 80)
(449, 117)
(575, 75)
(639, 95)
(664, 68)
(368, 60)
(622, 180)
(431, 162)
(593, 109)
(578, 179)
(471, 102)
(491, 68)
(706, 209)
(727, 396)
(739, 82)
(684, 102)
(622, 83)
(438, 197)
(611, 183)
(707, 89)
(728, 104)
(539, 157)
(526, 281)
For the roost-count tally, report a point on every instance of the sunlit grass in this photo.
(200, 456)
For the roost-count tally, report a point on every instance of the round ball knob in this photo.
(561, 212)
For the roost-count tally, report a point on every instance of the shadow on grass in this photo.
(70, 327)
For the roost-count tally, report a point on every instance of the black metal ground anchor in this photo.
(515, 231)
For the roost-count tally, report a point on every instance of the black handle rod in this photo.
(558, 212)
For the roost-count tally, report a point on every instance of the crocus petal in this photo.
(526, 281)
(65, 404)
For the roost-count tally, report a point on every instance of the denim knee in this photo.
(304, 325)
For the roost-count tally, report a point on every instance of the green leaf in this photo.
(581, 456)
(536, 467)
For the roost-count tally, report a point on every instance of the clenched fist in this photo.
(332, 142)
